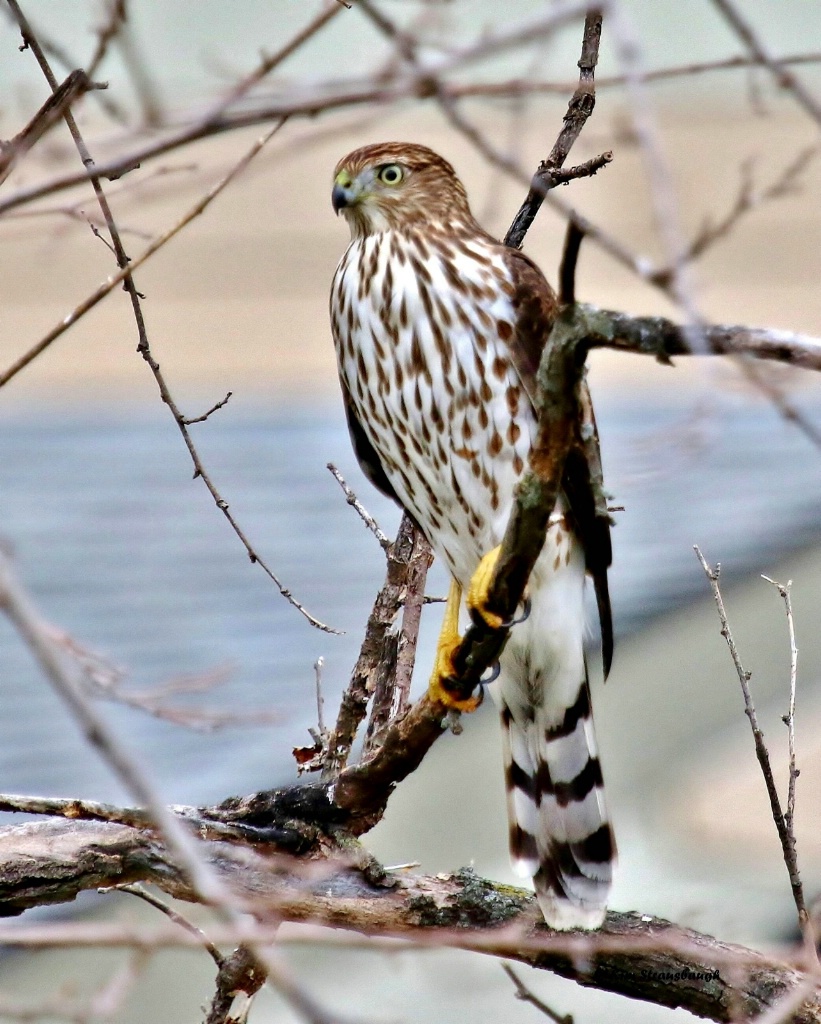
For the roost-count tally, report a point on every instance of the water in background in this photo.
(123, 549)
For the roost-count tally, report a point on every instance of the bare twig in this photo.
(105, 681)
(184, 855)
(52, 111)
(374, 671)
(784, 827)
(659, 175)
(126, 269)
(105, 289)
(578, 111)
(747, 200)
(320, 700)
(789, 718)
(239, 978)
(515, 87)
(783, 76)
(136, 889)
(574, 236)
(201, 419)
(66, 677)
(524, 993)
(107, 33)
(360, 509)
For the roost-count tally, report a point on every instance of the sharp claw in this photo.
(495, 669)
(510, 623)
(526, 609)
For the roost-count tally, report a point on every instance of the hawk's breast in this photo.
(421, 325)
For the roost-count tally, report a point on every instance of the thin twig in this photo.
(67, 680)
(320, 700)
(359, 508)
(515, 87)
(52, 111)
(524, 993)
(239, 978)
(578, 111)
(105, 289)
(783, 76)
(126, 270)
(107, 33)
(573, 238)
(658, 172)
(789, 718)
(783, 827)
(747, 200)
(136, 889)
(201, 419)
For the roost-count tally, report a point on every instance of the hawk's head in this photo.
(396, 185)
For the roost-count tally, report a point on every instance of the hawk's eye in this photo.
(391, 174)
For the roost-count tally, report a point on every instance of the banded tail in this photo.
(560, 835)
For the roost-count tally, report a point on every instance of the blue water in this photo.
(119, 546)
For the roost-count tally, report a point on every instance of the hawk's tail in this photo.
(560, 835)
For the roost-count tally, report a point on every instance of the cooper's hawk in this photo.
(438, 331)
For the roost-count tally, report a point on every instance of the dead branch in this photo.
(127, 267)
(76, 85)
(525, 994)
(370, 523)
(515, 87)
(789, 718)
(374, 673)
(578, 111)
(239, 977)
(783, 76)
(783, 825)
(634, 955)
(105, 289)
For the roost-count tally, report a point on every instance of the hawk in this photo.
(438, 330)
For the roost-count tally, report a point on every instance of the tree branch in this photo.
(633, 955)
(578, 111)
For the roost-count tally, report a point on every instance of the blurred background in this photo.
(123, 550)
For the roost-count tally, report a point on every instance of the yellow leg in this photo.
(449, 640)
(479, 585)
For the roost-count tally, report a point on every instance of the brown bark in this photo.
(634, 955)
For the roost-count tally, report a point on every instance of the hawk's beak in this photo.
(339, 198)
(345, 192)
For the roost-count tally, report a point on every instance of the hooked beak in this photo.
(345, 192)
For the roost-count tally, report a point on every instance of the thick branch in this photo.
(634, 955)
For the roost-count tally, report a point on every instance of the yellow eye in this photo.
(391, 174)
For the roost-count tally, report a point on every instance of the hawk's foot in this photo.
(478, 591)
(479, 586)
(443, 670)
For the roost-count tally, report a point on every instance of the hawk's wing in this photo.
(364, 450)
(536, 307)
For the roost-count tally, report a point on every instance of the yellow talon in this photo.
(479, 586)
(443, 670)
